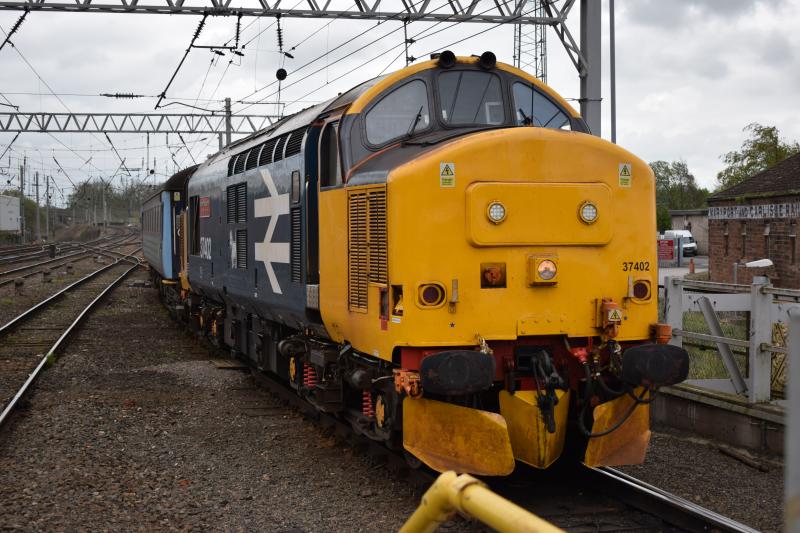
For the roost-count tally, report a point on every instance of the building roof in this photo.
(778, 180)
(703, 211)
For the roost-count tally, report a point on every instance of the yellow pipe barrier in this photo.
(451, 493)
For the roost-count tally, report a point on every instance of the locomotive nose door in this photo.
(323, 172)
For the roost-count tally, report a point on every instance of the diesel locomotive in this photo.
(443, 256)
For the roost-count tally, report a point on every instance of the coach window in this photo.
(402, 112)
(532, 107)
(330, 168)
(470, 97)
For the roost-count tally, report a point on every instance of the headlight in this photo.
(546, 270)
(496, 212)
(588, 212)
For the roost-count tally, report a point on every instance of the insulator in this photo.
(366, 404)
(280, 36)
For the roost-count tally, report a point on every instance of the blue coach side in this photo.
(161, 238)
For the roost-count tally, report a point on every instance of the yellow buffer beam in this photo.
(530, 440)
(625, 445)
(450, 437)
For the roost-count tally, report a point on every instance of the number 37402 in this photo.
(636, 266)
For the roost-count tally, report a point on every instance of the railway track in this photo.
(33, 338)
(85, 251)
(21, 253)
(574, 497)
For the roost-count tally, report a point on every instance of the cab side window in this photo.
(533, 107)
(330, 170)
(399, 113)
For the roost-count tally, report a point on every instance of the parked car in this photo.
(687, 241)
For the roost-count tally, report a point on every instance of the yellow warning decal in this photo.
(447, 174)
(625, 175)
(614, 315)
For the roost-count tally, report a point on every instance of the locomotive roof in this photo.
(357, 98)
(304, 117)
(176, 182)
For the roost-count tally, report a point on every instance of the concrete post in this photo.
(47, 209)
(792, 446)
(612, 67)
(591, 90)
(228, 125)
(760, 333)
(22, 227)
(673, 294)
(38, 222)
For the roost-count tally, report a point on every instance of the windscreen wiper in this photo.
(526, 120)
(414, 124)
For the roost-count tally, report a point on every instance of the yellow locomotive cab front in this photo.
(506, 273)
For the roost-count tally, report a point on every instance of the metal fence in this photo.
(746, 327)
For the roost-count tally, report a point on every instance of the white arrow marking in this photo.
(269, 252)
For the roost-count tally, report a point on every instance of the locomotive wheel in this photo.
(292, 369)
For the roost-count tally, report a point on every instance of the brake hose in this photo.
(587, 396)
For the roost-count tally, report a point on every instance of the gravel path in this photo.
(696, 470)
(142, 432)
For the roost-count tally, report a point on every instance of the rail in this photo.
(672, 509)
(11, 324)
(48, 357)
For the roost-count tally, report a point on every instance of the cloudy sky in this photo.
(691, 74)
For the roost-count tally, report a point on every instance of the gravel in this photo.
(141, 431)
(135, 429)
(695, 469)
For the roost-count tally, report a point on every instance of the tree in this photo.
(676, 188)
(762, 150)
(663, 218)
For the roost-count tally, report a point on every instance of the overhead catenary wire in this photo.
(116, 152)
(41, 79)
(14, 29)
(326, 54)
(8, 147)
(318, 58)
(180, 64)
(481, 32)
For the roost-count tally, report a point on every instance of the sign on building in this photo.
(754, 212)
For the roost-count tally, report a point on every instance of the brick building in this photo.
(757, 219)
(696, 221)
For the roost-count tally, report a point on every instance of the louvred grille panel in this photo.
(241, 248)
(296, 245)
(367, 253)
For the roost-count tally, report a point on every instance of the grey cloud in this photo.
(668, 14)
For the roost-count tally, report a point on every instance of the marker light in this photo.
(546, 269)
(588, 212)
(431, 294)
(496, 212)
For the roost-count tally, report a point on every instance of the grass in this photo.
(705, 361)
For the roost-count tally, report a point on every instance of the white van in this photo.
(688, 243)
